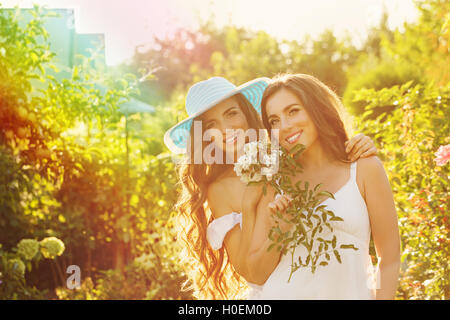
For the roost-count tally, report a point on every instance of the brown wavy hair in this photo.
(209, 272)
(323, 106)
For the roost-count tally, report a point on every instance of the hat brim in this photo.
(176, 137)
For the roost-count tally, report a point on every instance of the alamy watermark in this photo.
(74, 280)
(213, 147)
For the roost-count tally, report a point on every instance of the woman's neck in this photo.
(314, 157)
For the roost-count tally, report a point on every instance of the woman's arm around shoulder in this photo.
(236, 241)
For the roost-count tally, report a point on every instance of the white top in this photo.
(354, 278)
(218, 228)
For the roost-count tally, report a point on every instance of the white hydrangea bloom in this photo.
(28, 248)
(255, 163)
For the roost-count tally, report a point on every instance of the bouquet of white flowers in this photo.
(309, 218)
(256, 164)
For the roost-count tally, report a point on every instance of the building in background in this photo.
(69, 46)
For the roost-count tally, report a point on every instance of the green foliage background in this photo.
(64, 172)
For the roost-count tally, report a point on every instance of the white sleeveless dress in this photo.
(354, 278)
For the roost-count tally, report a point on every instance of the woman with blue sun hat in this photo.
(205, 95)
(213, 199)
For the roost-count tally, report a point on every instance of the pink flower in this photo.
(442, 155)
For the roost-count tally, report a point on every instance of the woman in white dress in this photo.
(213, 197)
(306, 112)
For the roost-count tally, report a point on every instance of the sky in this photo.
(128, 23)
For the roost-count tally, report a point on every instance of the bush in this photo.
(15, 264)
(154, 275)
(377, 75)
(65, 169)
(408, 139)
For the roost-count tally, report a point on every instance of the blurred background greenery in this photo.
(84, 170)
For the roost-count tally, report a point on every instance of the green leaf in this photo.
(301, 228)
(314, 231)
(271, 246)
(291, 161)
(327, 194)
(297, 148)
(317, 187)
(338, 257)
(348, 246)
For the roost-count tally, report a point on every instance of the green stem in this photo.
(292, 264)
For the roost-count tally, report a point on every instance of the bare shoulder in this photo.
(217, 200)
(215, 191)
(370, 166)
(370, 169)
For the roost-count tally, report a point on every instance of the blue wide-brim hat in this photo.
(204, 95)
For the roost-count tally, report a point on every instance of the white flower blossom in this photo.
(250, 169)
(266, 160)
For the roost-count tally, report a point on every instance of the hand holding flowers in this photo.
(299, 219)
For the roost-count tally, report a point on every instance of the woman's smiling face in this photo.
(227, 115)
(286, 113)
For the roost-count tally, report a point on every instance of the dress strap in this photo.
(218, 228)
(353, 171)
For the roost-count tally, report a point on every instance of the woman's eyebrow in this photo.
(226, 111)
(284, 109)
